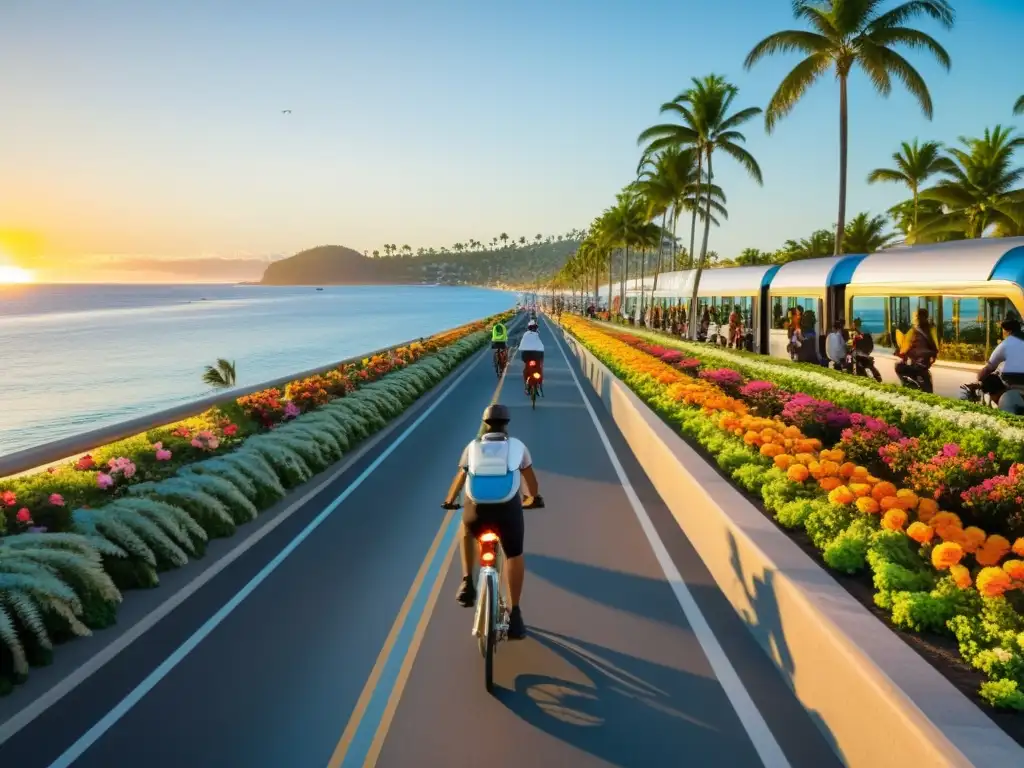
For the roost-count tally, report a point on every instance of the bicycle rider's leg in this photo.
(470, 528)
(511, 531)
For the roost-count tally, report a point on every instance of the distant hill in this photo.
(519, 264)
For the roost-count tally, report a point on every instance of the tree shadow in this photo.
(624, 710)
(764, 620)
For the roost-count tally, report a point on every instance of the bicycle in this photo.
(500, 361)
(493, 604)
(534, 383)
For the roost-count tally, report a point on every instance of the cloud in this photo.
(204, 268)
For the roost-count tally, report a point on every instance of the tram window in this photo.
(782, 306)
(778, 313)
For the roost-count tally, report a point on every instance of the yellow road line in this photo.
(359, 711)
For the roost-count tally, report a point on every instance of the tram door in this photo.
(835, 307)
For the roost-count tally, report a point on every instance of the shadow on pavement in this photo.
(632, 712)
(765, 623)
(649, 598)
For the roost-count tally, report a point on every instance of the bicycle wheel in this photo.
(489, 637)
(533, 396)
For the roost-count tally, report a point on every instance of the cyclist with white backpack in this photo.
(493, 470)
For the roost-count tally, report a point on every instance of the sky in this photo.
(145, 141)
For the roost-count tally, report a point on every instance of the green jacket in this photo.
(499, 332)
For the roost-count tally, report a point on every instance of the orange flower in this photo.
(847, 469)
(920, 532)
(890, 502)
(926, 509)
(1018, 547)
(943, 520)
(841, 494)
(961, 576)
(797, 473)
(752, 438)
(1014, 569)
(783, 460)
(861, 473)
(975, 538)
(882, 490)
(992, 582)
(986, 556)
(829, 483)
(946, 554)
(772, 450)
(998, 543)
(894, 519)
(867, 505)
(860, 489)
(908, 497)
(792, 432)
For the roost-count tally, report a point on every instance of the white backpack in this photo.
(493, 470)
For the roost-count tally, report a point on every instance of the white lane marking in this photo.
(96, 662)
(91, 736)
(757, 729)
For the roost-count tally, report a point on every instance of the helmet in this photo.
(496, 414)
(532, 325)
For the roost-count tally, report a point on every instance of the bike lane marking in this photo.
(364, 735)
(108, 721)
(750, 717)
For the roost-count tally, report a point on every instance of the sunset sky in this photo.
(144, 141)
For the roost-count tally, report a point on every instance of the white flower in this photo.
(953, 414)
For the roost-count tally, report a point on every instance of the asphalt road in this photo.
(352, 650)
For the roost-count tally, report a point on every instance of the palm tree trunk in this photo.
(611, 255)
(661, 249)
(693, 217)
(913, 189)
(843, 141)
(643, 266)
(694, 319)
(675, 225)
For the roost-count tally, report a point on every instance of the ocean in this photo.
(77, 357)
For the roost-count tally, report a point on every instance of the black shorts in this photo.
(504, 519)
(529, 354)
(499, 344)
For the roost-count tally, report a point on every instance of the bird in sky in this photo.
(286, 111)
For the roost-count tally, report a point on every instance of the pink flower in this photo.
(8, 498)
(163, 455)
(291, 410)
(196, 442)
(104, 481)
(24, 516)
(158, 446)
(56, 500)
(213, 443)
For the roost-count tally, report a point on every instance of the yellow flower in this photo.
(946, 554)
(1014, 569)
(961, 576)
(894, 519)
(867, 505)
(841, 494)
(993, 582)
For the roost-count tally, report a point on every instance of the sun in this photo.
(15, 275)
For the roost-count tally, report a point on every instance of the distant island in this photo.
(517, 263)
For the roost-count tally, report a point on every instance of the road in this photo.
(352, 650)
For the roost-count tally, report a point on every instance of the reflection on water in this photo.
(76, 357)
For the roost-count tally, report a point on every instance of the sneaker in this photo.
(466, 596)
(516, 625)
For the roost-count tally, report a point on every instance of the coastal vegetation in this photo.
(77, 534)
(221, 375)
(504, 261)
(916, 496)
(968, 190)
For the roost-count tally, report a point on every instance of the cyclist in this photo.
(1010, 354)
(1006, 399)
(918, 351)
(494, 470)
(531, 348)
(499, 339)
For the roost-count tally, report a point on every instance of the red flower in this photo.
(230, 430)
(85, 463)
(8, 498)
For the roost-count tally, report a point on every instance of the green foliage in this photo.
(1002, 694)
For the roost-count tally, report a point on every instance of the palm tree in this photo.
(707, 126)
(376, 254)
(982, 187)
(220, 376)
(866, 234)
(845, 33)
(820, 243)
(504, 238)
(1018, 108)
(915, 164)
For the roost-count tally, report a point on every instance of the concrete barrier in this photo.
(875, 699)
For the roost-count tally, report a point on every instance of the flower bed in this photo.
(81, 532)
(935, 523)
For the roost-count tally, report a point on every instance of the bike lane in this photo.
(612, 671)
(274, 681)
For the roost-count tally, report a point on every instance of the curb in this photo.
(876, 700)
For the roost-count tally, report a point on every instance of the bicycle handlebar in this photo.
(534, 502)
